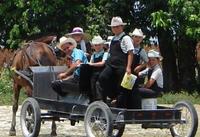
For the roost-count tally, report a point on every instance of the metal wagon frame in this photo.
(99, 119)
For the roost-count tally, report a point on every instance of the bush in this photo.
(5, 81)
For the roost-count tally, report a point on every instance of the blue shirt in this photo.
(78, 54)
(98, 54)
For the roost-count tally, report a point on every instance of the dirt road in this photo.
(64, 129)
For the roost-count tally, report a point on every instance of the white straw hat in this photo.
(117, 21)
(63, 40)
(137, 32)
(98, 40)
(153, 54)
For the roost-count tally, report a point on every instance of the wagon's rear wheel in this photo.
(98, 120)
(189, 120)
(118, 130)
(30, 118)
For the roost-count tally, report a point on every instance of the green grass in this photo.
(172, 98)
(6, 93)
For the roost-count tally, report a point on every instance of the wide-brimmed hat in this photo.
(137, 32)
(117, 21)
(97, 40)
(153, 54)
(76, 30)
(63, 40)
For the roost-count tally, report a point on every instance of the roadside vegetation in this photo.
(6, 93)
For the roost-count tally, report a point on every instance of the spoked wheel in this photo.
(118, 130)
(189, 120)
(30, 118)
(98, 120)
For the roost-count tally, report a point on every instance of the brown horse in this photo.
(32, 54)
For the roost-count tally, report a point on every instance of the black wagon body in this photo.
(99, 118)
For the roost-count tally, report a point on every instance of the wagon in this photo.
(99, 118)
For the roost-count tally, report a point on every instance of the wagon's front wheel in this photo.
(98, 120)
(30, 118)
(189, 120)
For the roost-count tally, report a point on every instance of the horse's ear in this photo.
(53, 42)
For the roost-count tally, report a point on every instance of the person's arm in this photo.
(130, 60)
(140, 67)
(153, 78)
(98, 64)
(149, 83)
(70, 70)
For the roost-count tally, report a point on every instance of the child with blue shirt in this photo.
(97, 62)
(72, 75)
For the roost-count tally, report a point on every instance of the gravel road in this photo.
(64, 129)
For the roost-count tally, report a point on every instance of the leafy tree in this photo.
(21, 19)
(181, 19)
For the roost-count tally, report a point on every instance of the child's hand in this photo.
(62, 76)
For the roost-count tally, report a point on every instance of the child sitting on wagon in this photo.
(72, 75)
(97, 62)
(154, 85)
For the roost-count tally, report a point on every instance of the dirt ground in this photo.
(64, 129)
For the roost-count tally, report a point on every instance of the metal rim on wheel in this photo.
(98, 120)
(30, 118)
(189, 120)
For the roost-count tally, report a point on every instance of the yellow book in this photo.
(128, 81)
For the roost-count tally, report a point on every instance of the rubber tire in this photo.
(194, 118)
(120, 131)
(30, 103)
(98, 105)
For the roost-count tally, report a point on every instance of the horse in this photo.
(32, 54)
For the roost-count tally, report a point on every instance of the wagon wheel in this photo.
(30, 118)
(98, 120)
(118, 130)
(189, 120)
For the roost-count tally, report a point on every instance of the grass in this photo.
(172, 98)
(6, 93)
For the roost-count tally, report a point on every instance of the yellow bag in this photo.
(128, 81)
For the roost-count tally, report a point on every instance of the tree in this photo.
(21, 19)
(182, 19)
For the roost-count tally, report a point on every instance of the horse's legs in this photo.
(53, 128)
(17, 88)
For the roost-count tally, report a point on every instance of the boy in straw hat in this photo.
(118, 63)
(154, 85)
(97, 62)
(140, 56)
(68, 45)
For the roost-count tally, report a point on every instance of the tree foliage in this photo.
(21, 19)
(176, 23)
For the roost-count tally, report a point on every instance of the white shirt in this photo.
(157, 75)
(126, 42)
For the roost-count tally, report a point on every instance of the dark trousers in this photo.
(62, 87)
(147, 93)
(95, 94)
(110, 81)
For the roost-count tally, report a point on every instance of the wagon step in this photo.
(156, 125)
